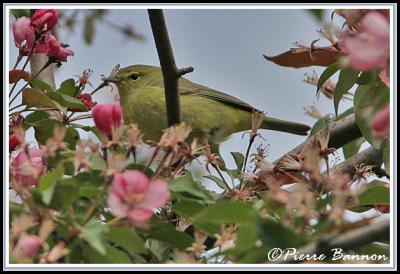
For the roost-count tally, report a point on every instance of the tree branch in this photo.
(171, 73)
(355, 238)
(342, 132)
(370, 156)
(47, 75)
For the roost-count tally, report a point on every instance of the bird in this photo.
(213, 115)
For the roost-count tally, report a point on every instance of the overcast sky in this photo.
(225, 48)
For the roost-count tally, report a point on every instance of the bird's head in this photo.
(132, 78)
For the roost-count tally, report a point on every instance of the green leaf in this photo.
(44, 129)
(367, 100)
(90, 192)
(386, 156)
(32, 97)
(65, 194)
(112, 255)
(160, 250)
(126, 238)
(217, 180)
(246, 238)
(352, 148)
(317, 14)
(167, 233)
(375, 194)
(68, 88)
(239, 159)
(320, 124)
(367, 77)
(71, 137)
(47, 183)
(275, 235)
(34, 117)
(347, 79)
(186, 188)
(15, 209)
(345, 113)
(225, 212)
(188, 210)
(89, 29)
(92, 233)
(326, 74)
(65, 100)
(36, 83)
(18, 13)
(97, 162)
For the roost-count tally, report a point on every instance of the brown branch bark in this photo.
(171, 73)
(342, 132)
(358, 237)
(370, 156)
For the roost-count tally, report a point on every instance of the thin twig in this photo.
(222, 177)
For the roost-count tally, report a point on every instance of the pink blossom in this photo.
(13, 142)
(28, 165)
(384, 77)
(53, 49)
(134, 196)
(381, 123)
(107, 116)
(23, 31)
(369, 49)
(29, 245)
(44, 19)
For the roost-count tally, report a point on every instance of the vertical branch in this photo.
(170, 71)
(47, 75)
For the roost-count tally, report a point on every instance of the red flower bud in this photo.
(13, 142)
(87, 100)
(106, 116)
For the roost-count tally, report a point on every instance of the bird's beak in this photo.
(112, 79)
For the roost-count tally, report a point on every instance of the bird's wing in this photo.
(187, 87)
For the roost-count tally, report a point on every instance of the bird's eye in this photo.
(134, 76)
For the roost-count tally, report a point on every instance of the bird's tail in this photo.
(285, 126)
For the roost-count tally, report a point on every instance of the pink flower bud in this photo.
(134, 196)
(107, 116)
(13, 142)
(23, 31)
(28, 166)
(381, 123)
(29, 245)
(44, 18)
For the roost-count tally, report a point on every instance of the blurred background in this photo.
(225, 47)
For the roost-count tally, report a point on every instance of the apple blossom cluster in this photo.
(33, 35)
